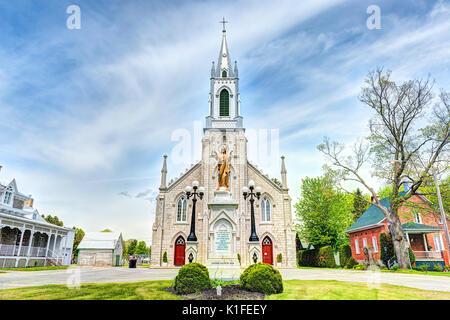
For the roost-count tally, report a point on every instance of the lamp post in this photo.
(247, 192)
(192, 192)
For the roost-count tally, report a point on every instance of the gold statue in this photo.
(224, 166)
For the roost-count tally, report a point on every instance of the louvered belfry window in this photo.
(224, 103)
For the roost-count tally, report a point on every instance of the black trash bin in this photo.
(132, 263)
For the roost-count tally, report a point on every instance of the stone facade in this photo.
(228, 132)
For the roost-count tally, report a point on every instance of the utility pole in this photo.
(441, 208)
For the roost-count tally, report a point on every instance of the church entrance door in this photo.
(180, 250)
(267, 251)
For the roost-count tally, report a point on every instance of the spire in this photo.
(283, 174)
(164, 174)
(213, 70)
(236, 73)
(224, 61)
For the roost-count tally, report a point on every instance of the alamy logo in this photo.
(374, 21)
(74, 20)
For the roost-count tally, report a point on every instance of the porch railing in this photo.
(428, 254)
(13, 251)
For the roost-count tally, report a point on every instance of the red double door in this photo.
(180, 249)
(267, 251)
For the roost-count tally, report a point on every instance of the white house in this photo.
(26, 239)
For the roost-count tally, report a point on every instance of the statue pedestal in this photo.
(191, 251)
(222, 253)
(254, 250)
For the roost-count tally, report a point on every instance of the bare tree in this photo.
(400, 146)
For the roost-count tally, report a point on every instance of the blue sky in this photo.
(86, 115)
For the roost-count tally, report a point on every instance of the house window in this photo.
(364, 242)
(181, 210)
(357, 246)
(374, 243)
(224, 110)
(265, 210)
(8, 196)
(438, 243)
(417, 217)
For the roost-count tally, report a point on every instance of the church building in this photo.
(223, 231)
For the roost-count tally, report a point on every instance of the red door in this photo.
(267, 251)
(180, 248)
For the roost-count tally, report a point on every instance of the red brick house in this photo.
(420, 221)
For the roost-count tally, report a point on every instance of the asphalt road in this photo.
(74, 275)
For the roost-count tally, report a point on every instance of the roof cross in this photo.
(223, 22)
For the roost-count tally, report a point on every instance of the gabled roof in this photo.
(373, 215)
(99, 240)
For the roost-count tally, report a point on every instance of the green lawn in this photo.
(141, 290)
(339, 290)
(36, 268)
(154, 290)
(408, 271)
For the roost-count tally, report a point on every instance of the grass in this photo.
(407, 271)
(338, 290)
(36, 268)
(154, 290)
(423, 273)
(141, 290)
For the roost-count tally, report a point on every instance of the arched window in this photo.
(224, 103)
(224, 74)
(181, 210)
(265, 210)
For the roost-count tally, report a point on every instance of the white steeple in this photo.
(224, 97)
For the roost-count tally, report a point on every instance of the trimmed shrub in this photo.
(192, 278)
(279, 258)
(345, 252)
(307, 258)
(263, 278)
(165, 257)
(351, 262)
(447, 268)
(247, 271)
(325, 257)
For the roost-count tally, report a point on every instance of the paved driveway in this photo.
(16, 279)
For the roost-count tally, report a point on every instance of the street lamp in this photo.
(247, 192)
(192, 192)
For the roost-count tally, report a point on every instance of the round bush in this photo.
(263, 278)
(192, 278)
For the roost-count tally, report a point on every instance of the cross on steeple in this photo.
(223, 22)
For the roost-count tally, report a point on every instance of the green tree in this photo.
(53, 220)
(79, 235)
(359, 205)
(323, 212)
(141, 248)
(131, 248)
(429, 190)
